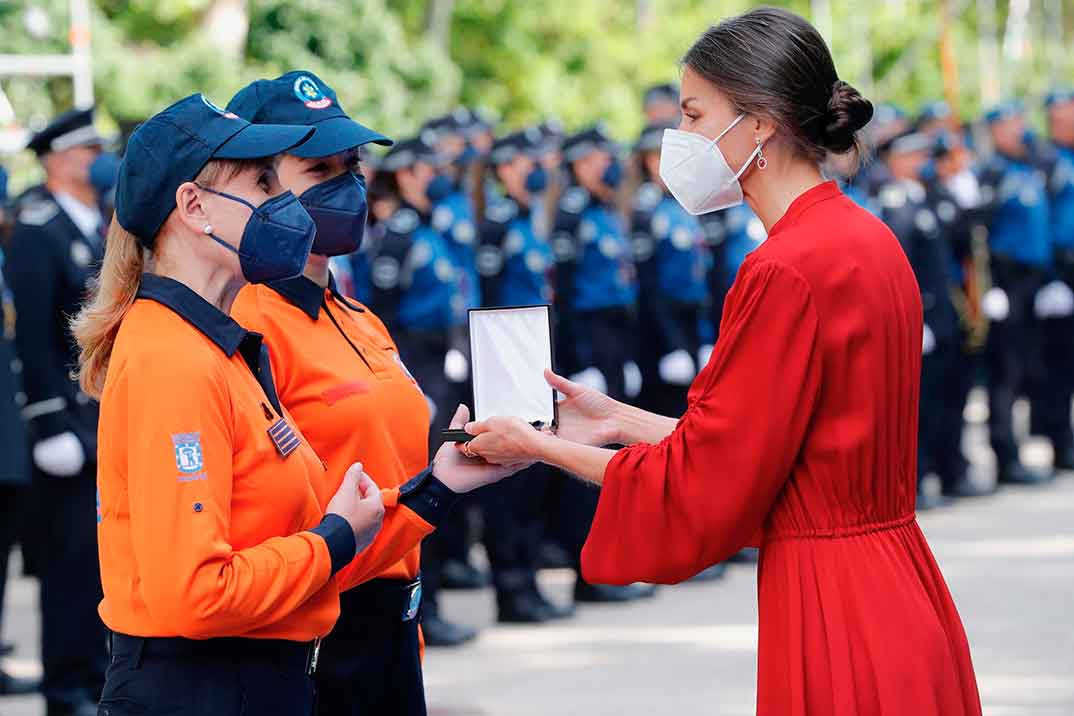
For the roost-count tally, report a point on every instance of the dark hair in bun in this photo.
(772, 63)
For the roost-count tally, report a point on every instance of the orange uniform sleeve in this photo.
(193, 581)
(669, 510)
(403, 529)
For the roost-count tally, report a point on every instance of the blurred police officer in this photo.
(56, 247)
(964, 231)
(14, 470)
(516, 264)
(596, 294)
(1053, 301)
(453, 216)
(414, 289)
(672, 266)
(1014, 189)
(661, 105)
(905, 209)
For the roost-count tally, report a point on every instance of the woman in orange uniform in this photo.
(216, 553)
(339, 373)
(802, 429)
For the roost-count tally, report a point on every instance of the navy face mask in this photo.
(537, 180)
(613, 175)
(439, 188)
(276, 240)
(338, 207)
(104, 173)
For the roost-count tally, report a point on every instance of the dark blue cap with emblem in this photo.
(528, 142)
(1004, 110)
(934, 110)
(301, 97)
(665, 92)
(70, 129)
(173, 146)
(1057, 97)
(408, 152)
(587, 141)
(652, 137)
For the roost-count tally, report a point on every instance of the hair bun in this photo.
(848, 112)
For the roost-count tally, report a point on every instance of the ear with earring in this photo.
(762, 163)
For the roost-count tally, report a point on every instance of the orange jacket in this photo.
(339, 373)
(210, 524)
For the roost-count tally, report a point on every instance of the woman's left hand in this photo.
(504, 441)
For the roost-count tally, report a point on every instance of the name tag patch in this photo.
(284, 437)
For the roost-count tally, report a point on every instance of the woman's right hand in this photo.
(586, 416)
(358, 501)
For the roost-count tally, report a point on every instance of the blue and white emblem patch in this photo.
(188, 457)
(307, 91)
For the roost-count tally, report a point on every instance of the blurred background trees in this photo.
(395, 62)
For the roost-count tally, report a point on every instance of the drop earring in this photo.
(762, 163)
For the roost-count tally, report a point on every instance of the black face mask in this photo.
(339, 209)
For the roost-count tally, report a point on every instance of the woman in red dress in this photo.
(801, 432)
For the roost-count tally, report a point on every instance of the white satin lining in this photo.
(510, 349)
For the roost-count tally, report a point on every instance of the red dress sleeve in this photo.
(669, 510)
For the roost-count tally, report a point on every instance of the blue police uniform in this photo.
(514, 263)
(14, 473)
(516, 266)
(1014, 191)
(1052, 399)
(596, 295)
(56, 248)
(596, 286)
(453, 217)
(906, 211)
(672, 268)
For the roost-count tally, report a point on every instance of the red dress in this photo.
(801, 433)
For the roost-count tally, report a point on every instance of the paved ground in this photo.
(1009, 560)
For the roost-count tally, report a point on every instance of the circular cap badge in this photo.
(310, 94)
(222, 112)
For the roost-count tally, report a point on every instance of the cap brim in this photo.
(338, 134)
(263, 140)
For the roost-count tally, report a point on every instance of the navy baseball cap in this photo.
(1058, 96)
(174, 145)
(527, 141)
(301, 97)
(1004, 110)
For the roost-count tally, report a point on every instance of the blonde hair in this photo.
(114, 290)
(111, 294)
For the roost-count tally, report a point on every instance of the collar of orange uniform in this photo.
(219, 327)
(309, 295)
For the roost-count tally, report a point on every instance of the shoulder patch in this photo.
(587, 230)
(563, 247)
(403, 221)
(925, 221)
(38, 213)
(464, 232)
(384, 273)
(946, 210)
(643, 247)
(489, 260)
(661, 224)
(443, 217)
(893, 196)
(514, 242)
(502, 211)
(682, 238)
(574, 200)
(648, 197)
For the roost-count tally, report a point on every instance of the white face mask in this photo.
(695, 172)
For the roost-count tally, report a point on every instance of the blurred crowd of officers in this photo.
(464, 216)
